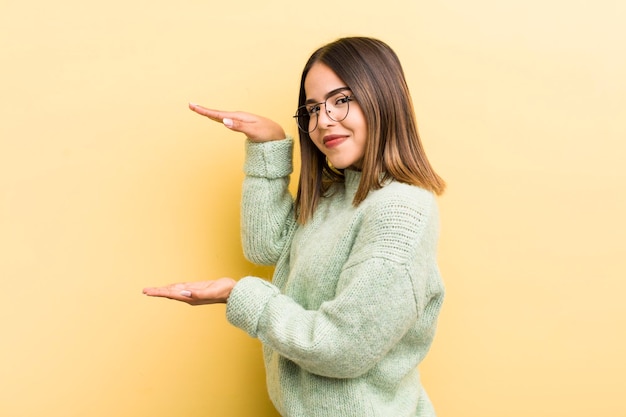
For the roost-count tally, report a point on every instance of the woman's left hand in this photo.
(195, 293)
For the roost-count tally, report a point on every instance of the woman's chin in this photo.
(342, 164)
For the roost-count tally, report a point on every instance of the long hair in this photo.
(372, 71)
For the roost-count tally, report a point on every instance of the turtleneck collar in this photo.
(352, 180)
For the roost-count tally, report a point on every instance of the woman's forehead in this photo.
(320, 81)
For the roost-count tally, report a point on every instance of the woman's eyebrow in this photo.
(330, 93)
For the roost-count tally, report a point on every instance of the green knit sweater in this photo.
(353, 304)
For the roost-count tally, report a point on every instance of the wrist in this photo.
(229, 284)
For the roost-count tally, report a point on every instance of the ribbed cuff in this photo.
(271, 159)
(247, 301)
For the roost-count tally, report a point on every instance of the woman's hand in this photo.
(195, 293)
(256, 128)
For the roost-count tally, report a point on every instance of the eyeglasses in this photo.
(336, 106)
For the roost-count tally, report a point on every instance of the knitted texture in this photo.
(353, 304)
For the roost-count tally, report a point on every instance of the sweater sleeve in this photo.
(346, 336)
(383, 291)
(267, 207)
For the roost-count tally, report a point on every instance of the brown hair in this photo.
(372, 71)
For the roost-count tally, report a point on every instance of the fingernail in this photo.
(228, 122)
(185, 293)
(191, 103)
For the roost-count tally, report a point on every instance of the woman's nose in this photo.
(323, 117)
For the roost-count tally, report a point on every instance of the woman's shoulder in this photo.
(401, 196)
(399, 207)
(397, 219)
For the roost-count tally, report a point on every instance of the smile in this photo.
(330, 141)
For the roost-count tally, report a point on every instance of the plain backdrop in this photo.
(108, 184)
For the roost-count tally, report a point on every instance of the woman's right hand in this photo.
(256, 128)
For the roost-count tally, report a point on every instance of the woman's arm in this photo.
(267, 207)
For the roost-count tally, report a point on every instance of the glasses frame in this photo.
(331, 94)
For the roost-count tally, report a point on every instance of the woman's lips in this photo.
(330, 141)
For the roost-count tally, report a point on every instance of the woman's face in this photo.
(343, 142)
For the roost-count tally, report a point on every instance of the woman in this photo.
(353, 304)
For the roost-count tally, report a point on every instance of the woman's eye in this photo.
(314, 110)
(342, 100)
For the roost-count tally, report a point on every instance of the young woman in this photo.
(353, 304)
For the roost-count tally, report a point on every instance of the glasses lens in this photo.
(337, 106)
(304, 120)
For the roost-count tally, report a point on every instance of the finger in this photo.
(215, 115)
(157, 291)
(174, 291)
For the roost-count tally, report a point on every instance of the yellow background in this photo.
(109, 184)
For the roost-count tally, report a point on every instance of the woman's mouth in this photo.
(330, 141)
